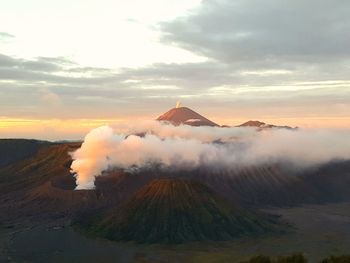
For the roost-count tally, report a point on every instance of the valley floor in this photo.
(321, 230)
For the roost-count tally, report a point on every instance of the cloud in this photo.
(50, 69)
(186, 148)
(4, 36)
(263, 61)
(50, 98)
(217, 89)
(306, 39)
(264, 33)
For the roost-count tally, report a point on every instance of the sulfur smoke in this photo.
(130, 146)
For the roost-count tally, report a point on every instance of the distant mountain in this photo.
(175, 210)
(263, 125)
(184, 115)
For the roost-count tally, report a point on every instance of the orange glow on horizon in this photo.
(57, 129)
(50, 129)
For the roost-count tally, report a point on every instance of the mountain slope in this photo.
(184, 115)
(178, 210)
(14, 150)
(263, 125)
(48, 161)
(42, 185)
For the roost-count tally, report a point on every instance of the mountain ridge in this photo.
(263, 125)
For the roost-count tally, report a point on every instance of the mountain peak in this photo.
(263, 125)
(253, 124)
(183, 115)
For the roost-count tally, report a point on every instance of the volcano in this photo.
(262, 125)
(184, 115)
(176, 210)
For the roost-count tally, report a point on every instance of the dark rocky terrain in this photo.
(43, 182)
(37, 192)
(176, 210)
(13, 150)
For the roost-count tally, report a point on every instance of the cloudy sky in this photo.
(68, 66)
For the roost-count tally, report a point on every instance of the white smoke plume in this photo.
(128, 146)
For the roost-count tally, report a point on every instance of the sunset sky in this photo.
(69, 66)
